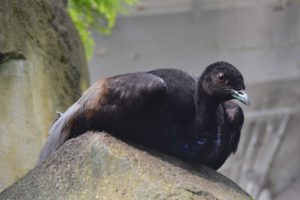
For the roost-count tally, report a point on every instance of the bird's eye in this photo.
(222, 78)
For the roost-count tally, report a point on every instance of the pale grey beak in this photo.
(241, 96)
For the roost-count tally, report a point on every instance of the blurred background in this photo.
(43, 69)
(261, 38)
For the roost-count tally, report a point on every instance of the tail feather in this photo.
(60, 131)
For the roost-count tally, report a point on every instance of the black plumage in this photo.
(165, 109)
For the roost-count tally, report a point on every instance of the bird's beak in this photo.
(241, 96)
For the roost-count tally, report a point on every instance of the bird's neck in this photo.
(206, 112)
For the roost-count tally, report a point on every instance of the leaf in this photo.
(96, 14)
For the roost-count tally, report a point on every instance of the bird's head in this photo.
(223, 82)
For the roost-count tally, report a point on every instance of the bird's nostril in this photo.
(240, 92)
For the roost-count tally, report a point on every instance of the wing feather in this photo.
(108, 103)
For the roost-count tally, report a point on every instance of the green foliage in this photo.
(96, 14)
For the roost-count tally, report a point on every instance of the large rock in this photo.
(98, 166)
(42, 70)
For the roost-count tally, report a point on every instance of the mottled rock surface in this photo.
(42, 70)
(99, 166)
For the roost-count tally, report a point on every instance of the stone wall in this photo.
(42, 70)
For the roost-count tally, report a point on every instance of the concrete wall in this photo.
(261, 40)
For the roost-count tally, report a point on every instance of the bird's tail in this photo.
(60, 131)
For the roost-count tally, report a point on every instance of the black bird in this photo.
(165, 109)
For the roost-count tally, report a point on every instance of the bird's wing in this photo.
(234, 119)
(107, 104)
(121, 98)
